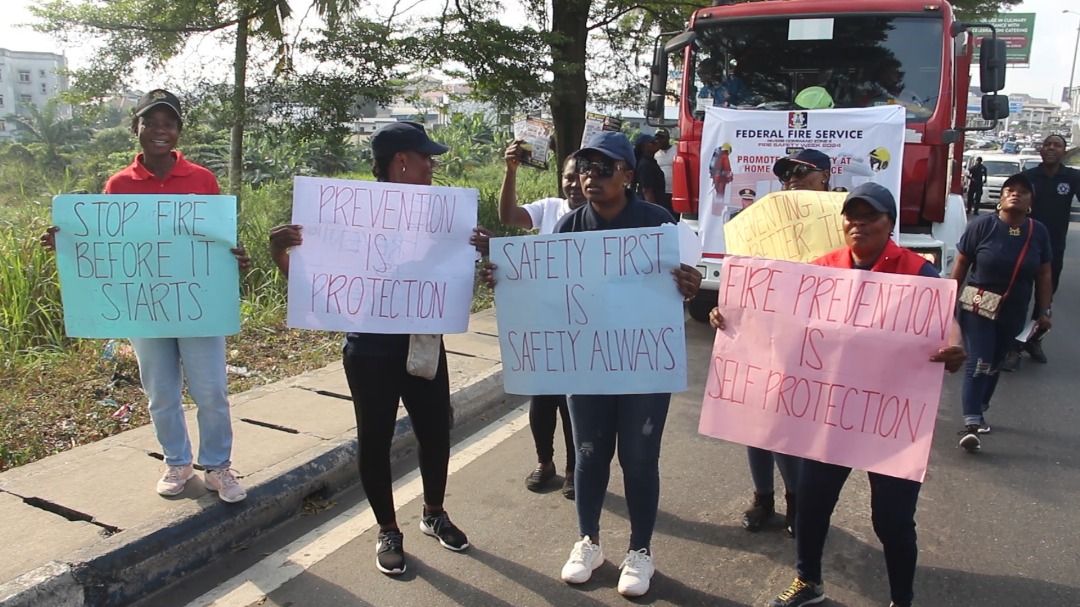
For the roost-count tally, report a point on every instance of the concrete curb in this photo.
(134, 564)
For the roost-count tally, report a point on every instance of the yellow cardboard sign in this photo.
(791, 225)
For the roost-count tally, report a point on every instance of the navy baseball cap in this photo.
(611, 144)
(876, 195)
(642, 139)
(1020, 179)
(155, 98)
(404, 136)
(815, 158)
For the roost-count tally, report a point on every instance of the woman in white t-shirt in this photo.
(542, 215)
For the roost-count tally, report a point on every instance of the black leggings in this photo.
(542, 420)
(377, 383)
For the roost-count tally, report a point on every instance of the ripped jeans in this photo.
(634, 423)
(986, 342)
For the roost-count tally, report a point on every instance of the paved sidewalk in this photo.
(85, 527)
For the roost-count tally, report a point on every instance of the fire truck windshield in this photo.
(841, 61)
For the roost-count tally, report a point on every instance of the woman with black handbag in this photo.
(1004, 256)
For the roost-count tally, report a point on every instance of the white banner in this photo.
(739, 148)
(381, 257)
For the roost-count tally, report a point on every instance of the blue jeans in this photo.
(987, 343)
(635, 422)
(164, 363)
(761, 466)
(892, 511)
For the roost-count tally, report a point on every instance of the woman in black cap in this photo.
(606, 424)
(1004, 254)
(375, 367)
(869, 218)
(807, 170)
(166, 362)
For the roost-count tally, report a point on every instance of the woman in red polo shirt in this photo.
(165, 362)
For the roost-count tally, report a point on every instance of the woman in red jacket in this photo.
(869, 219)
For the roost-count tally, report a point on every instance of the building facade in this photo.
(28, 78)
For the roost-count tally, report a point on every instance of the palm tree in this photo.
(49, 129)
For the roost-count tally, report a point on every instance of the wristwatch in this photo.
(1047, 313)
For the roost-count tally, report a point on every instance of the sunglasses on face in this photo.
(798, 172)
(604, 168)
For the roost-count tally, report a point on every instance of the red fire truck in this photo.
(763, 54)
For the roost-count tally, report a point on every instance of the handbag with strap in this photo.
(423, 359)
(987, 303)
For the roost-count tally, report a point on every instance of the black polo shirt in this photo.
(637, 213)
(648, 174)
(1053, 202)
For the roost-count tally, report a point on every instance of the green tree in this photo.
(48, 130)
(151, 32)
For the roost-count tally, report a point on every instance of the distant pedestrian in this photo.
(1004, 254)
(665, 159)
(375, 367)
(1056, 186)
(869, 218)
(544, 409)
(648, 178)
(976, 179)
(606, 424)
(166, 362)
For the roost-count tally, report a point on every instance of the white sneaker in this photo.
(584, 559)
(223, 481)
(173, 481)
(637, 571)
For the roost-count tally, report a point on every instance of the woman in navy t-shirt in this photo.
(987, 257)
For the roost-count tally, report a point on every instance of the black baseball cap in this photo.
(404, 136)
(155, 98)
(815, 158)
(1020, 179)
(876, 195)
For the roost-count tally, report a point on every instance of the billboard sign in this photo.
(1017, 30)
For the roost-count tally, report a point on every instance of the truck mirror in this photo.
(991, 65)
(659, 71)
(995, 107)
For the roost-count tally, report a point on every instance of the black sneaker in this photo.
(539, 477)
(799, 593)
(439, 526)
(568, 486)
(390, 552)
(1034, 348)
(1012, 360)
(970, 441)
(760, 511)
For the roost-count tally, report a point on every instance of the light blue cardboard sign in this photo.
(147, 265)
(590, 313)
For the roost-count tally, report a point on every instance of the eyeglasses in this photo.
(603, 169)
(798, 172)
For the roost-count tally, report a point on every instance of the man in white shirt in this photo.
(665, 157)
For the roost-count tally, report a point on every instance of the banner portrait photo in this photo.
(381, 257)
(829, 364)
(739, 148)
(147, 265)
(590, 313)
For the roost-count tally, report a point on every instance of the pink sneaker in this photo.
(173, 481)
(223, 481)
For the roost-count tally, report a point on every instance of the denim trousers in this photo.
(761, 469)
(164, 364)
(892, 511)
(987, 342)
(634, 424)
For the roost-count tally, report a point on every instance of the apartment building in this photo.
(28, 78)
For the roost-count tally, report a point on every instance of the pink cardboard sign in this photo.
(829, 364)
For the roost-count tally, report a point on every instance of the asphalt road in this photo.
(997, 528)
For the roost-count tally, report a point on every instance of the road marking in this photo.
(277, 569)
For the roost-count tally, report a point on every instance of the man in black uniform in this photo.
(976, 180)
(1055, 187)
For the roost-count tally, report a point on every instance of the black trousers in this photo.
(377, 383)
(543, 413)
(974, 195)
